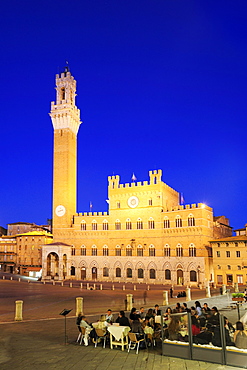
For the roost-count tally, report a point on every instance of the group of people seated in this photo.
(141, 323)
(205, 326)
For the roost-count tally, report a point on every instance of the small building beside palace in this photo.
(230, 258)
(145, 236)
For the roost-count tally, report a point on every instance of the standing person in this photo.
(171, 292)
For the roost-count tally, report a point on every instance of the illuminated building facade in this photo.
(146, 235)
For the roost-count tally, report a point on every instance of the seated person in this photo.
(174, 328)
(84, 324)
(133, 314)
(240, 336)
(122, 320)
(136, 327)
(216, 339)
(109, 317)
(141, 313)
(195, 327)
(156, 311)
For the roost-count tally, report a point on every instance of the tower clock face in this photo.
(60, 211)
(133, 202)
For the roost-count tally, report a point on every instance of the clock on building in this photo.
(133, 202)
(60, 210)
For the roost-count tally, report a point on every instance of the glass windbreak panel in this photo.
(236, 336)
(206, 329)
(175, 326)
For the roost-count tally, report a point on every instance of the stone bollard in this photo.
(123, 287)
(188, 296)
(18, 310)
(11, 278)
(208, 293)
(223, 288)
(101, 287)
(71, 285)
(113, 288)
(61, 283)
(44, 282)
(236, 290)
(53, 282)
(79, 305)
(148, 287)
(87, 286)
(165, 298)
(129, 301)
(94, 287)
(19, 279)
(134, 287)
(81, 286)
(3, 277)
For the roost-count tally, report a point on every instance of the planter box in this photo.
(238, 299)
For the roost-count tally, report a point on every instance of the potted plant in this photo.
(239, 297)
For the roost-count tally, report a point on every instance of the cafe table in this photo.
(118, 335)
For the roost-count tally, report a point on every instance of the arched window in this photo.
(128, 224)
(63, 93)
(129, 272)
(117, 225)
(128, 251)
(105, 225)
(179, 251)
(106, 272)
(118, 204)
(139, 251)
(151, 223)
(140, 274)
(150, 202)
(73, 251)
(105, 251)
(94, 250)
(167, 251)
(118, 251)
(118, 272)
(166, 223)
(83, 225)
(83, 250)
(168, 274)
(192, 250)
(94, 225)
(178, 221)
(139, 224)
(191, 220)
(151, 251)
(193, 275)
(72, 271)
(152, 273)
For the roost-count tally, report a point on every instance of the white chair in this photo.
(83, 333)
(133, 339)
(100, 334)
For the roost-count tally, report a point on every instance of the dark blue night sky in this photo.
(161, 84)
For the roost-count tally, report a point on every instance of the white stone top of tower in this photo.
(64, 113)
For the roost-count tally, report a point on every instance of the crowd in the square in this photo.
(205, 325)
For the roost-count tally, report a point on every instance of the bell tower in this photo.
(65, 118)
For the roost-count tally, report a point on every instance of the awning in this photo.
(33, 269)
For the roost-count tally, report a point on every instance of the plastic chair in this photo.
(133, 339)
(100, 334)
(79, 335)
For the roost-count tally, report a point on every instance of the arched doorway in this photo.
(52, 264)
(64, 266)
(94, 273)
(83, 273)
(180, 277)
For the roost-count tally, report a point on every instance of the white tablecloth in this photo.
(117, 331)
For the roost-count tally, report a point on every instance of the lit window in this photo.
(151, 224)
(105, 251)
(118, 251)
(218, 253)
(166, 224)
(237, 253)
(228, 254)
(105, 271)
(117, 225)
(191, 220)
(105, 225)
(94, 225)
(83, 251)
(118, 272)
(152, 251)
(178, 221)
(140, 251)
(129, 251)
